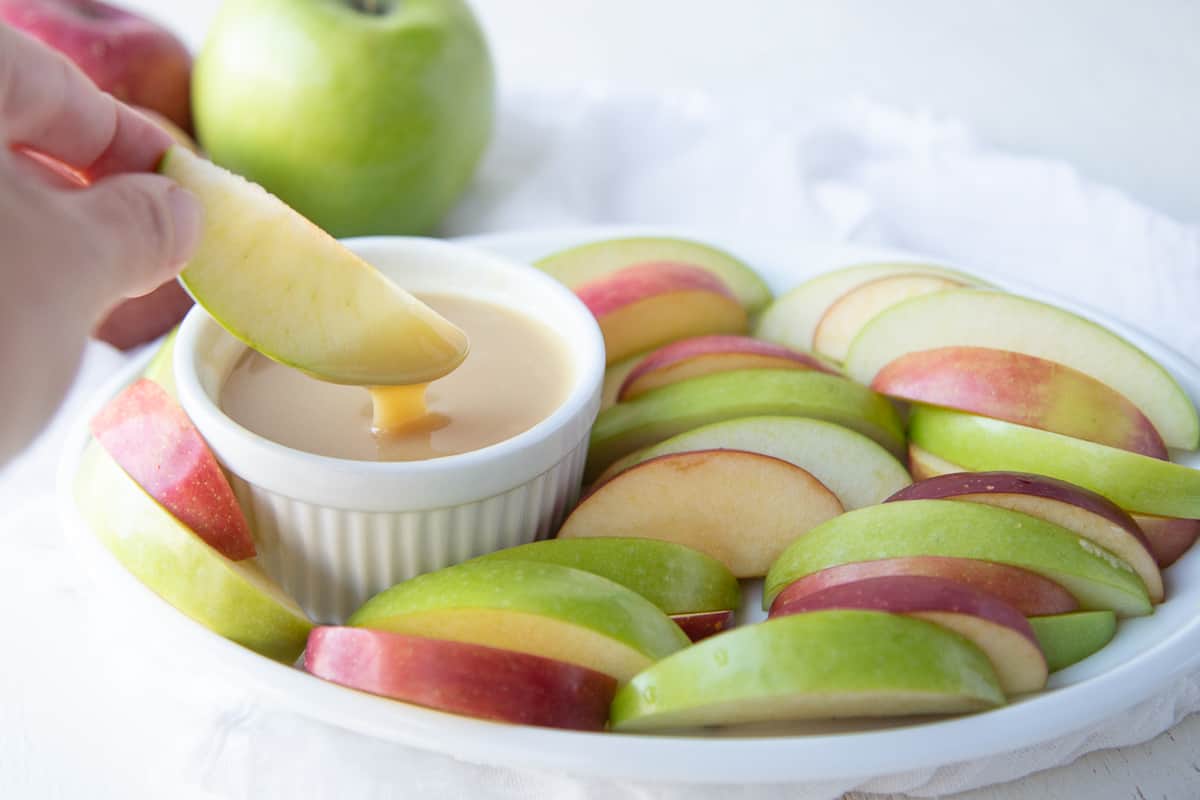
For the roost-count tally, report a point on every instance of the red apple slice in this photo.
(151, 438)
(1028, 592)
(741, 508)
(994, 626)
(702, 624)
(462, 678)
(648, 305)
(1090, 515)
(1169, 537)
(614, 379)
(704, 355)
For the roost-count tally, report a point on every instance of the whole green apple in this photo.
(367, 116)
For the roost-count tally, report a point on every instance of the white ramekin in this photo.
(334, 531)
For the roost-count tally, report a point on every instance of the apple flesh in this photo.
(1067, 639)
(614, 379)
(999, 321)
(1087, 514)
(1028, 592)
(462, 678)
(161, 368)
(151, 438)
(585, 263)
(689, 404)
(538, 608)
(842, 321)
(649, 305)
(992, 625)
(1169, 537)
(1022, 389)
(703, 624)
(820, 665)
(1134, 482)
(234, 599)
(1097, 579)
(740, 508)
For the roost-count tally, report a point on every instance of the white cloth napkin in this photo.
(80, 689)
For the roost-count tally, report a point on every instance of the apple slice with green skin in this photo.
(1067, 639)
(820, 665)
(235, 599)
(726, 503)
(676, 578)
(999, 321)
(151, 438)
(648, 305)
(161, 368)
(706, 355)
(682, 406)
(614, 379)
(1097, 579)
(1026, 591)
(1132, 481)
(1169, 537)
(1022, 389)
(289, 290)
(853, 467)
(704, 624)
(585, 263)
(793, 318)
(842, 321)
(543, 609)
(992, 625)
(924, 464)
(1085, 513)
(462, 678)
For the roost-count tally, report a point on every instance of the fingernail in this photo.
(186, 222)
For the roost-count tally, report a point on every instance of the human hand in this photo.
(83, 224)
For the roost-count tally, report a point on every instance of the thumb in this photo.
(145, 227)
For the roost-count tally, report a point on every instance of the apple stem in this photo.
(369, 6)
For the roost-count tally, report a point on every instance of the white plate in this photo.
(1145, 654)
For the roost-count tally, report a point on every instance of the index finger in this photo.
(48, 105)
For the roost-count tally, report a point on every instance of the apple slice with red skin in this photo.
(151, 438)
(741, 508)
(462, 678)
(648, 305)
(1090, 515)
(1026, 591)
(994, 626)
(702, 624)
(704, 355)
(1022, 389)
(614, 379)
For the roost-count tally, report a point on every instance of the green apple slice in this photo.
(979, 318)
(235, 599)
(1097, 578)
(583, 264)
(676, 578)
(161, 368)
(818, 665)
(671, 410)
(1132, 481)
(289, 290)
(855, 468)
(1067, 639)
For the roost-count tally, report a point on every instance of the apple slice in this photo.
(1132, 481)
(1023, 389)
(1067, 639)
(689, 404)
(1097, 579)
(1026, 591)
(853, 467)
(740, 508)
(462, 678)
(992, 625)
(585, 263)
(152, 439)
(980, 318)
(161, 368)
(289, 290)
(1085, 513)
(924, 464)
(820, 665)
(842, 321)
(793, 318)
(235, 599)
(1169, 537)
(676, 578)
(614, 379)
(703, 624)
(706, 355)
(543, 609)
(648, 305)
